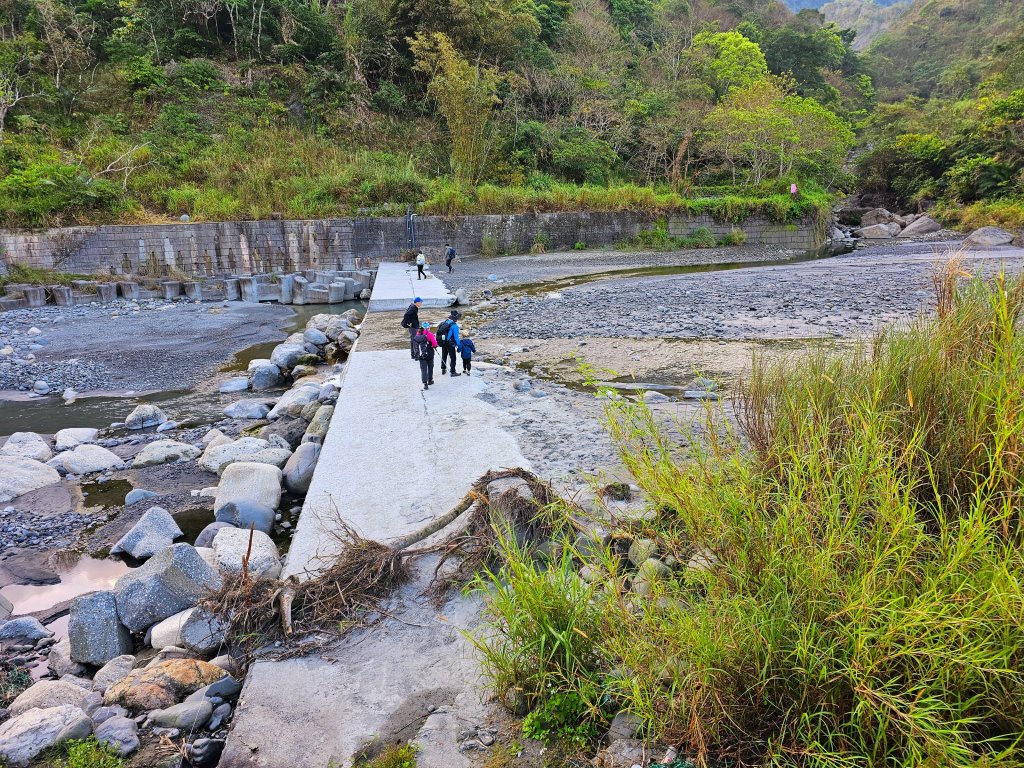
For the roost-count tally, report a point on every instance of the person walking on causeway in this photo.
(449, 256)
(448, 338)
(421, 262)
(424, 344)
(411, 321)
(468, 350)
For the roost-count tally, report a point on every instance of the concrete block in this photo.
(318, 294)
(249, 289)
(300, 291)
(61, 295)
(171, 289)
(129, 290)
(287, 286)
(269, 291)
(35, 296)
(351, 291)
(107, 292)
(335, 293)
(10, 302)
(231, 289)
(310, 275)
(193, 290)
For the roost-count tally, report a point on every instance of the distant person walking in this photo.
(424, 343)
(468, 350)
(448, 338)
(421, 263)
(449, 256)
(411, 321)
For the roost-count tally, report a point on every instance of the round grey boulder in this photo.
(243, 513)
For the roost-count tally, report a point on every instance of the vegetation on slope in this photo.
(838, 584)
(114, 111)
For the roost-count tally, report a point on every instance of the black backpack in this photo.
(422, 346)
(442, 330)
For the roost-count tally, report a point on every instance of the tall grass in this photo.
(858, 597)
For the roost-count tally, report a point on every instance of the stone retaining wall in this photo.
(252, 247)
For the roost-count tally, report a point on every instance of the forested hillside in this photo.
(118, 110)
(867, 18)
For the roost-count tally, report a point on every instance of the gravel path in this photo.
(146, 345)
(840, 297)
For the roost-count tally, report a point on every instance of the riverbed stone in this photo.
(169, 582)
(234, 384)
(291, 429)
(59, 661)
(264, 375)
(244, 513)
(84, 459)
(95, 631)
(136, 495)
(164, 452)
(168, 631)
(6, 608)
(46, 694)
(876, 232)
(155, 531)
(203, 752)
(21, 475)
(989, 236)
(27, 445)
(66, 439)
(294, 400)
(119, 733)
(162, 685)
(319, 424)
(249, 408)
(298, 472)
(923, 225)
(218, 456)
(112, 672)
(286, 356)
(250, 482)
(233, 544)
(204, 632)
(23, 628)
(145, 415)
(187, 716)
(25, 736)
(205, 537)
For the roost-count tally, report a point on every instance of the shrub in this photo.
(47, 192)
(85, 753)
(860, 542)
(578, 246)
(735, 236)
(489, 245)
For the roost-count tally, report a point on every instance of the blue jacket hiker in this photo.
(468, 349)
(448, 337)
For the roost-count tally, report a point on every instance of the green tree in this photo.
(465, 95)
(729, 60)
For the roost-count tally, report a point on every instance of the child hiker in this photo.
(468, 349)
(423, 345)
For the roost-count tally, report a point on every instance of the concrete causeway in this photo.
(396, 284)
(395, 457)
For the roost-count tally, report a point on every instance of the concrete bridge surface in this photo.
(395, 457)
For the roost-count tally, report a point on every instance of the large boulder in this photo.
(875, 232)
(85, 459)
(120, 734)
(298, 472)
(162, 685)
(220, 455)
(155, 531)
(243, 514)
(164, 452)
(114, 671)
(288, 428)
(286, 356)
(878, 216)
(22, 475)
(332, 326)
(249, 408)
(205, 537)
(319, 424)
(27, 445)
(923, 225)
(234, 384)
(169, 582)
(168, 632)
(23, 628)
(987, 236)
(295, 399)
(25, 736)
(195, 629)
(249, 482)
(66, 439)
(264, 375)
(59, 661)
(94, 630)
(233, 545)
(46, 694)
(144, 416)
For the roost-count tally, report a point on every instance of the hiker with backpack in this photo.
(411, 321)
(423, 344)
(449, 256)
(448, 338)
(421, 263)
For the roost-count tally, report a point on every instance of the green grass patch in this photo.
(393, 757)
(1008, 213)
(855, 592)
(84, 753)
(19, 273)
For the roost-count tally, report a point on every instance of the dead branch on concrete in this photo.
(296, 616)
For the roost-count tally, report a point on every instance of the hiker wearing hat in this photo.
(411, 320)
(448, 338)
(423, 345)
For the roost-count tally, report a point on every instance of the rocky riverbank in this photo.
(132, 667)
